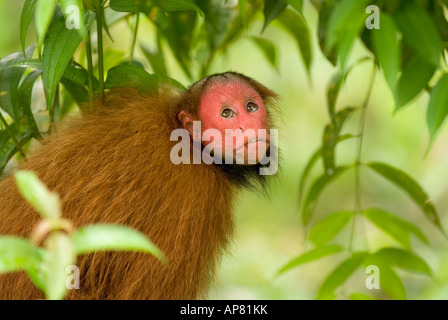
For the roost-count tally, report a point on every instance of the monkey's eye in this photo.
(227, 113)
(252, 107)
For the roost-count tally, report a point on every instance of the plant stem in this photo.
(134, 39)
(99, 28)
(362, 122)
(11, 134)
(89, 66)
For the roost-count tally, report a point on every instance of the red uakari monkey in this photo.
(114, 165)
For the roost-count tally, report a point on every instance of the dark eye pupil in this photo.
(252, 107)
(226, 113)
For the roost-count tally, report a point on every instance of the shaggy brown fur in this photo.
(113, 166)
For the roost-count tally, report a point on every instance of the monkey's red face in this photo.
(237, 108)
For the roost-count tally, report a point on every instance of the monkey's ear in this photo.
(187, 121)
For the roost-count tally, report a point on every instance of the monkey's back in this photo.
(113, 166)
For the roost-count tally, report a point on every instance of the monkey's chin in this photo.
(248, 155)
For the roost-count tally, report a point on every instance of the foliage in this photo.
(49, 268)
(409, 48)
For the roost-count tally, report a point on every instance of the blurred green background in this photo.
(269, 232)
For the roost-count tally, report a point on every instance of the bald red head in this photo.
(234, 106)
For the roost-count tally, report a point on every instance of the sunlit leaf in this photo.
(419, 31)
(43, 15)
(400, 258)
(360, 296)
(438, 107)
(296, 4)
(387, 49)
(59, 48)
(341, 274)
(242, 7)
(344, 26)
(133, 76)
(315, 191)
(18, 254)
(104, 237)
(60, 255)
(46, 203)
(397, 228)
(310, 256)
(25, 20)
(391, 283)
(326, 229)
(410, 186)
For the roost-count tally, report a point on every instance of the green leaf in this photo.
(344, 26)
(24, 102)
(42, 18)
(242, 7)
(397, 228)
(298, 28)
(419, 32)
(414, 79)
(400, 258)
(179, 5)
(271, 10)
(391, 283)
(341, 274)
(128, 75)
(25, 20)
(60, 45)
(329, 227)
(360, 296)
(296, 4)
(333, 92)
(438, 107)
(268, 50)
(133, 6)
(18, 254)
(155, 59)
(310, 256)
(9, 80)
(316, 155)
(8, 148)
(410, 186)
(46, 203)
(325, 10)
(330, 139)
(387, 49)
(60, 255)
(101, 237)
(315, 190)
